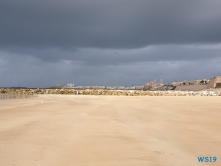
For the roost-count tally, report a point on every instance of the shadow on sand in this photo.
(4, 96)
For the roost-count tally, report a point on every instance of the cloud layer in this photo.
(117, 42)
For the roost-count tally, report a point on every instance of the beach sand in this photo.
(59, 130)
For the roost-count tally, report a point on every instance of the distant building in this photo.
(176, 83)
(60, 86)
(191, 82)
(153, 85)
(192, 85)
(97, 87)
(70, 85)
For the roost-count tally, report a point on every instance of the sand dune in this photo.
(60, 130)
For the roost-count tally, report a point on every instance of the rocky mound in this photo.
(211, 92)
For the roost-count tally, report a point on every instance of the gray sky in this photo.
(108, 42)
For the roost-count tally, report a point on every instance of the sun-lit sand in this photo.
(60, 130)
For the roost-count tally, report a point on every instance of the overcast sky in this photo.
(108, 42)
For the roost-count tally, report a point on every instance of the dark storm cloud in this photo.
(108, 24)
(108, 42)
(95, 56)
(31, 72)
(102, 57)
(152, 54)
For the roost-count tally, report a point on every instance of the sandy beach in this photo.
(66, 130)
